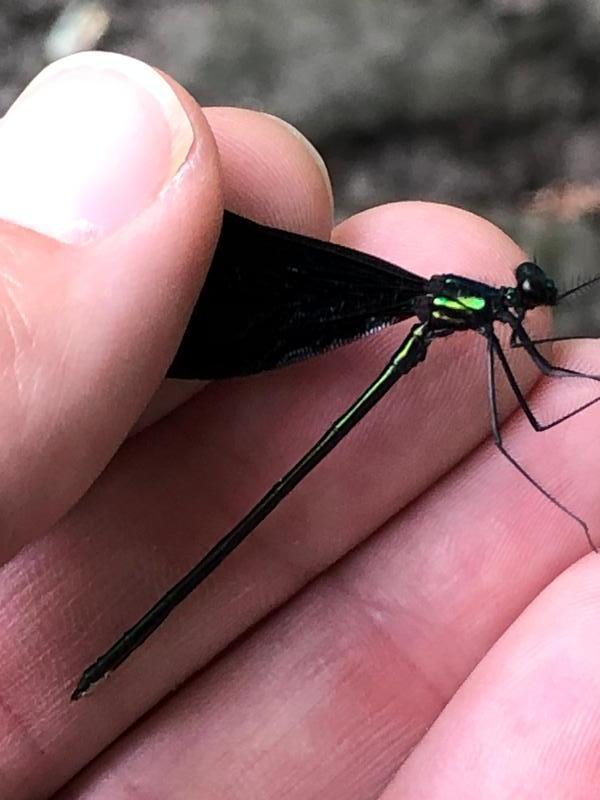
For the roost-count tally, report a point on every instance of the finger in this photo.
(284, 185)
(170, 490)
(339, 687)
(23, 720)
(529, 716)
(114, 182)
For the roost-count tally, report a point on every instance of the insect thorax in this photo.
(454, 302)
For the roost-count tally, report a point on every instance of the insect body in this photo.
(291, 297)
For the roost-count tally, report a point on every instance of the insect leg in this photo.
(515, 342)
(546, 368)
(493, 349)
(518, 392)
(542, 362)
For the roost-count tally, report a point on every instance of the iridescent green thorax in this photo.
(469, 303)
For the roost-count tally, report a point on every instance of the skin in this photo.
(415, 621)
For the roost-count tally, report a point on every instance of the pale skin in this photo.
(454, 653)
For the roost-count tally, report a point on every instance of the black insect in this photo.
(293, 297)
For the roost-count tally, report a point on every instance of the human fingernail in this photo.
(89, 144)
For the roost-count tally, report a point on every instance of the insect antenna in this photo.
(579, 287)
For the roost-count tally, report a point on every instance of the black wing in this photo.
(272, 297)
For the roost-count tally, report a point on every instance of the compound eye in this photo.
(530, 277)
(536, 288)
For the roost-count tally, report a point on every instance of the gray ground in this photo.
(482, 103)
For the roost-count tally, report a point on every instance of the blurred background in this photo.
(493, 105)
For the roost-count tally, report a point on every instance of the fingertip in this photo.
(92, 325)
(430, 238)
(271, 173)
(312, 151)
(88, 145)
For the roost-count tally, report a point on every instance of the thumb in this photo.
(109, 188)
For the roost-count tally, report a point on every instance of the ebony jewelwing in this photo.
(272, 298)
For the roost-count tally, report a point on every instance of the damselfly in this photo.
(292, 297)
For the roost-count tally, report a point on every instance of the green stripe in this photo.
(397, 359)
(401, 354)
(470, 303)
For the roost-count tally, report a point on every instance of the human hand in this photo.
(379, 671)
